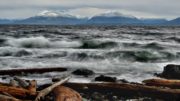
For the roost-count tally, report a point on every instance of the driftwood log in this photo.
(21, 82)
(25, 90)
(32, 86)
(47, 90)
(8, 98)
(128, 90)
(16, 91)
(62, 93)
(31, 70)
(163, 83)
(20, 88)
(13, 83)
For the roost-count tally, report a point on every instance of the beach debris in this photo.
(65, 91)
(109, 89)
(106, 78)
(83, 72)
(47, 90)
(21, 82)
(23, 90)
(17, 92)
(128, 90)
(8, 98)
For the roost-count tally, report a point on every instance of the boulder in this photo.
(83, 72)
(171, 71)
(106, 78)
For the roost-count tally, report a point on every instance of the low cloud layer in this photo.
(139, 8)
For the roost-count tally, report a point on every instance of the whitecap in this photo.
(32, 42)
(42, 42)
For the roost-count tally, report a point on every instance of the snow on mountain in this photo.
(115, 14)
(47, 13)
(113, 18)
(52, 18)
(69, 18)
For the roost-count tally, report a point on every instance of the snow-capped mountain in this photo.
(109, 18)
(47, 13)
(53, 18)
(113, 18)
(115, 14)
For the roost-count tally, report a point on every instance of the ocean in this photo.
(133, 53)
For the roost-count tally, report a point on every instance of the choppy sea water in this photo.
(127, 52)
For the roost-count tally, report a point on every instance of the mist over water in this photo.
(127, 52)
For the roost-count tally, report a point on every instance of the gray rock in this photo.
(83, 72)
(106, 78)
(171, 71)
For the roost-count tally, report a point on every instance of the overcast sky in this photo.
(140, 8)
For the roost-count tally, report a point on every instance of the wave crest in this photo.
(142, 56)
(32, 42)
(41, 42)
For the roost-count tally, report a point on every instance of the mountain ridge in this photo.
(108, 18)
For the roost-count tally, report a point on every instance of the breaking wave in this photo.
(131, 52)
(41, 42)
(142, 56)
(32, 42)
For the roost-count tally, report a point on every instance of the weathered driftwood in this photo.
(31, 70)
(16, 91)
(128, 90)
(4, 84)
(22, 82)
(13, 83)
(32, 86)
(163, 83)
(8, 98)
(62, 93)
(47, 90)
(29, 85)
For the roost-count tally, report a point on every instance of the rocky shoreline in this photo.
(105, 88)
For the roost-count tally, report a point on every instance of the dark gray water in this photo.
(132, 53)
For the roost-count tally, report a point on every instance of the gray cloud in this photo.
(26, 8)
